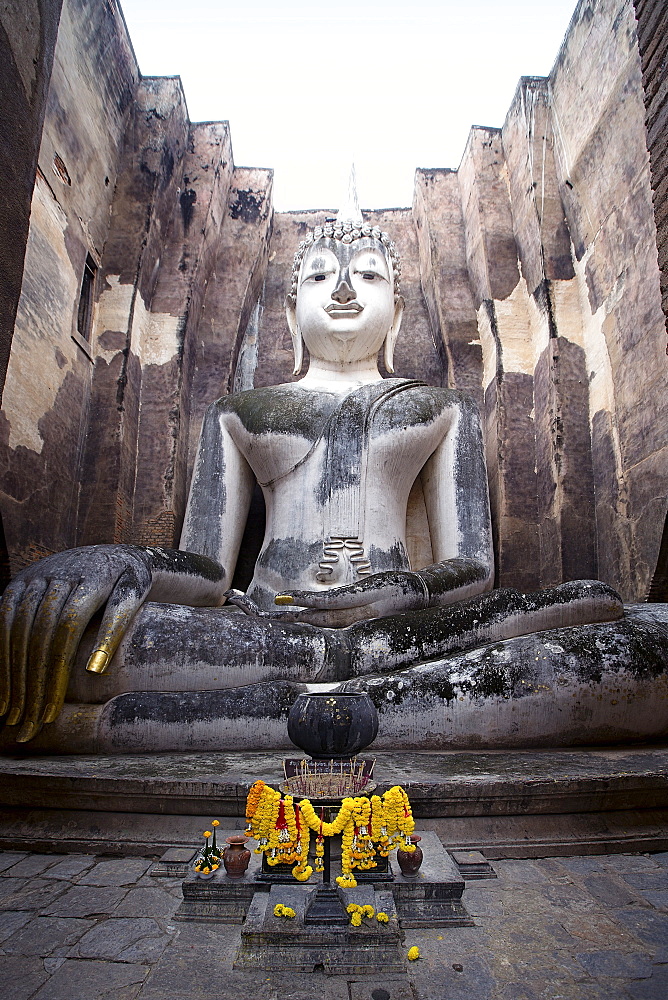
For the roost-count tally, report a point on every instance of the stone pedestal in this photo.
(433, 899)
(282, 944)
(174, 863)
(221, 899)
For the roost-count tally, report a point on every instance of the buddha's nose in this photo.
(344, 292)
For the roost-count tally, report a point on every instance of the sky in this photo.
(309, 88)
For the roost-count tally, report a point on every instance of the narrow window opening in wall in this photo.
(87, 298)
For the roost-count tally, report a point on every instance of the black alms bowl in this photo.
(332, 724)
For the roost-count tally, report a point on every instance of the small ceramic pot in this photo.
(410, 861)
(236, 857)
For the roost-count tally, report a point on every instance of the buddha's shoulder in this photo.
(278, 409)
(417, 403)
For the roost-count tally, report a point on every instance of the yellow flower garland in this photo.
(368, 827)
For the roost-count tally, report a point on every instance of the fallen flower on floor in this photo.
(413, 953)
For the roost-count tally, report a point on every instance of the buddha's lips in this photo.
(350, 307)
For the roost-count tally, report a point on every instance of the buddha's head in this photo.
(344, 303)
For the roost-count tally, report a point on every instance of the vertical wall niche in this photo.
(87, 299)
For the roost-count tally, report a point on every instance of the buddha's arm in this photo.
(47, 607)
(220, 495)
(454, 483)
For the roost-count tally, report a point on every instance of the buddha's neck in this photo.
(334, 375)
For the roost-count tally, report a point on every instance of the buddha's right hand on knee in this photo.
(43, 614)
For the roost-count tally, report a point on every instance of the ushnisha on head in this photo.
(344, 300)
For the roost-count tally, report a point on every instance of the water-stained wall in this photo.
(653, 44)
(530, 276)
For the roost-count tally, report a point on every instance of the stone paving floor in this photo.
(79, 927)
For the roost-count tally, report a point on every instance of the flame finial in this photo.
(350, 210)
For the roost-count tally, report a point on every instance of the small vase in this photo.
(204, 875)
(236, 857)
(410, 861)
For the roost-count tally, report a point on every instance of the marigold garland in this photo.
(369, 827)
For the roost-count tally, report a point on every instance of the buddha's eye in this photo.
(319, 277)
(369, 275)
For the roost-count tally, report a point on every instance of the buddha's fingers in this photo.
(8, 606)
(387, 592)
(40, 656)
(77, 612)
(352, 596)
(18, 643)
(126, 599)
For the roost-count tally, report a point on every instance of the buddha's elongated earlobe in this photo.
(295, 332)
(393, 333)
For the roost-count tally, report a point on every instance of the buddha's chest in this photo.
(321, 443)
(338, 458)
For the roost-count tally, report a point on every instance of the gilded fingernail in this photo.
(50, 713)
(14, 716)
(3, 707)
(97, 664)
(283, 599)
(26, 732)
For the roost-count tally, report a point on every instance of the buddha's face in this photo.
(346, 304)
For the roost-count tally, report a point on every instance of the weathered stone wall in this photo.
(652, 18)
(540, 273)
(603, 173)
(45, 407)
(530, 278)
(28, 30)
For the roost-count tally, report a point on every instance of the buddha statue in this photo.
(343, 457)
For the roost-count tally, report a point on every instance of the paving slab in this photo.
(71, 866)
(591, 928)
(123, 939)
(12, 920)
(119, 872)
(85, 901)
(43, 935)
(655, 988)
(649, 879)
(34, 894)
(647, 925)
(31, 865)
(21, 977)
(609, 890)
(148, 901)
(9, 858)
(93, 980)
(613, 965)
(657, 898)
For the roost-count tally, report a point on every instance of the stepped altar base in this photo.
(538, 803)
